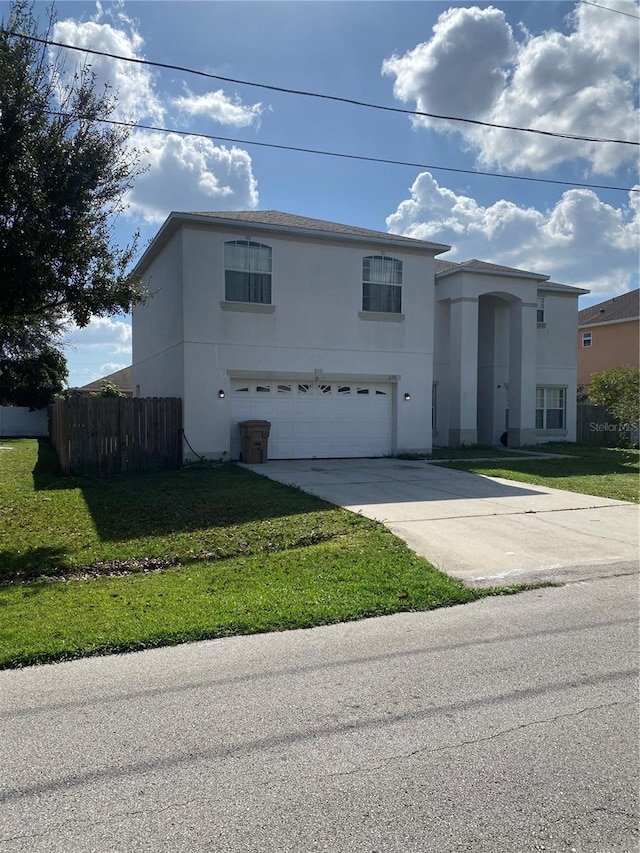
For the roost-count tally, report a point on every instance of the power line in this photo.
(342, 155)
(609, 9)
(321, 96)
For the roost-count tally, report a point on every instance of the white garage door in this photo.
(320, 420)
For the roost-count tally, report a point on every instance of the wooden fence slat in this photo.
(596, 426)
(101, 435)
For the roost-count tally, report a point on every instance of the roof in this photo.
(292, 221)
(275, 221)
(122, 378)
(444, 268)
(615, 310)
(562, 288)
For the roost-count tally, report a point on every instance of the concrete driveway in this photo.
(483, 530)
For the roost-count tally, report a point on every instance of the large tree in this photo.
(32, 379)
(63, 176)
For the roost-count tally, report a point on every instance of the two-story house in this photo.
(609, 335)
(350, 342)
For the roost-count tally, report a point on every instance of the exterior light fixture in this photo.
(221, 394)
(407, 397)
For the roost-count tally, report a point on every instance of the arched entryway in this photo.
(490, 366)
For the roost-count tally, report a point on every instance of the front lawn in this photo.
(98, 565)
(603, 471)
(476, 451)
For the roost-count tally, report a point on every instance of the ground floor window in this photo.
(550, 408)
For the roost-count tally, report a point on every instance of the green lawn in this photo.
(475, 452)
(91, 566)
(603, 471)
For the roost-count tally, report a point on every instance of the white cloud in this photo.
(184, 173)
(110, 332)
(187, 173)
(111, 367)
(436, 74)
(131, 84)
(102, 347)
(581, 240)
(220, 108)
(582, 83)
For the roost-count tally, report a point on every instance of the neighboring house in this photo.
(351, 342)
(121, 378)
(609, 335)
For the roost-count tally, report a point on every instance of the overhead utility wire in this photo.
(305, 94)
(609, 9)
(361, 157)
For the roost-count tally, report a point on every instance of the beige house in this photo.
(609, 335)
(121, 378)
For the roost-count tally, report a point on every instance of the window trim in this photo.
(248, 307)
(392, 268)
(545, 409)
(381, 316)
(228, 268)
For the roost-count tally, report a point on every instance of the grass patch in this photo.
(60, 526)
(472, 452)
(101, 565)
(476, 451)
(603, 471)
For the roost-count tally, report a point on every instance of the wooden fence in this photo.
(110, 435)
(596, 426)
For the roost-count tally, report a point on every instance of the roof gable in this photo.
(122, 378)
(474, 265)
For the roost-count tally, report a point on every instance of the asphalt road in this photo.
(507, 725)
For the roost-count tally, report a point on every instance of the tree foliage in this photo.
(109, 389)
(63, 176)
(32, 379)
(618, 390)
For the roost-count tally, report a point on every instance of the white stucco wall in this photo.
(474, 351)
(557, 357)
(157, 333)
(549, 358)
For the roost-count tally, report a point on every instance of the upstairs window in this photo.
(540, 311)
(247, 272)
(381, 284)
(586, 339)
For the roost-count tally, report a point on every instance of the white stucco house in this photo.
(350, 342)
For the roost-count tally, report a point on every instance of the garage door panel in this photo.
(317, 420)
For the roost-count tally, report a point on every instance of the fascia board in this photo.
(609, 323)
(493, 273)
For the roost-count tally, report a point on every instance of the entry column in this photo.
(463, 421)
(522, 373)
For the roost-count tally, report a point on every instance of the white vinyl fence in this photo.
(19, 422)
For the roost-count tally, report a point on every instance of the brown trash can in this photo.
(255, 441)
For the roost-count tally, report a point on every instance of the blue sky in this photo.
(561, 66)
